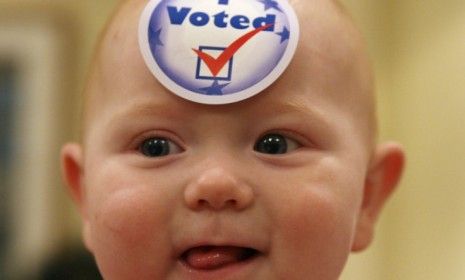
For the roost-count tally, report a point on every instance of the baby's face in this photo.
(267, 188)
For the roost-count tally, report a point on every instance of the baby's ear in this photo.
(71, 165)
(73, 174)
(382, 178)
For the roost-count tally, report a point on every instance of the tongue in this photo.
(213, 257)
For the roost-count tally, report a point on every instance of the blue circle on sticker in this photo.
(218, 51)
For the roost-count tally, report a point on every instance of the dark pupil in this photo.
(272, 144)
(155, 147)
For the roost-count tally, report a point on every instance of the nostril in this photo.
(217, 204)
(231, 203)
(202, 203)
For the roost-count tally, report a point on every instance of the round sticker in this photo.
(218, 51)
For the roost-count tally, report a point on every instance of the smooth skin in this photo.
(303, 210)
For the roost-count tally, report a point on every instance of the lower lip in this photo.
(238, 270)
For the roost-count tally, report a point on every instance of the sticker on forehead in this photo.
(218, 51)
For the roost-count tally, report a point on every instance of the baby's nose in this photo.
(218, 189)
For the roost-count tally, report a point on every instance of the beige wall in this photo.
(422, 82)
(428, 79)
(419, 53)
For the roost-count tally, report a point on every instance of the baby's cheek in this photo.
(131, 216)
(312, 213)
(129, 234)
(316, 232)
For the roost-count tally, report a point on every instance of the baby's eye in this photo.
(275, 144)
(158, 147)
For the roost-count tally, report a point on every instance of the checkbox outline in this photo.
(199, 63)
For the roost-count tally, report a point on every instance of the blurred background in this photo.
(418, 48)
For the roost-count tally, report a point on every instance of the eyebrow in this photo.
(147, 107)
(300, 107)
(294, 106)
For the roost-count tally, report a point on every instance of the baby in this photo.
(283, 184)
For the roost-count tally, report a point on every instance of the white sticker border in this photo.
(223, 99)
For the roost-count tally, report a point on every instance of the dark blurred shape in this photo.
(8, 75)
(71, 264)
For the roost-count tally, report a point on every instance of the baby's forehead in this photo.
(328, 40)
(329, 69)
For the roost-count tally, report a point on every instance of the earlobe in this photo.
(382, 178)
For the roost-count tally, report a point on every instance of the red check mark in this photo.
(216, 64)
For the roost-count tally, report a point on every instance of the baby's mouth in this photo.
(216, 257)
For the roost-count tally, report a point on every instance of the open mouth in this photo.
(216, 257)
